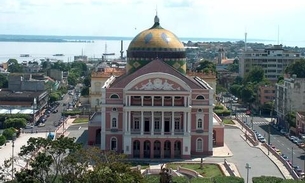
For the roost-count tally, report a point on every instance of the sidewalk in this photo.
(277, 162)
(62, 129)
(6, 150)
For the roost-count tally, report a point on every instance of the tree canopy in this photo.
(63, 160)
(297, 68)
(255, 75)
(14, 66)
(3, 81)
(206, 67)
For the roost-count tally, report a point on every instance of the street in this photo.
(261, 125)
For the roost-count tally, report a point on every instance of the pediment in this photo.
(157, 82)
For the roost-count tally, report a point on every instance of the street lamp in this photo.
(13, 146)
(292, 155)
(248, 167)
(252, 121)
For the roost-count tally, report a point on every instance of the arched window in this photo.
(113, 143)
(200, 97)
(199, 145)
(199, 124)
(114, 96)
(199, 110)
(114, 109)
(114, 123)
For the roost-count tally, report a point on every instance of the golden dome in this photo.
(156, 39)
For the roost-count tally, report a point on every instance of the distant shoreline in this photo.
(84, 39)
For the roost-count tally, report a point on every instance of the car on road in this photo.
(284, 157)
(41, 125)
(55, 111)
(29, 126)
(262, 139)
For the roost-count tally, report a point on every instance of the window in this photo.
(114, 123)
(113, 144)
(157, 98)
(136, 123)
(199, 145)
(177, 123)
(167, 98)
(177, 98)
(114, 96)
(157, 123)
(200, 97)
(147, 97)
(114, 109)
(199, 123)
(199, 110)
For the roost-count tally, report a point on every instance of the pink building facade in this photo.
(300, 123)
(155, 110)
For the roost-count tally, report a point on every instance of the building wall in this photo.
(266, 94)
(290, 96)
(300, 123)
(55, 74)
(273, 61)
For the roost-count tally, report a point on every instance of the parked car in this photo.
(262, 140)
(55, 111)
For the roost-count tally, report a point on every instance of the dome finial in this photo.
(156, 17)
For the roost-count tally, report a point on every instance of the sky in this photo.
(277, 20)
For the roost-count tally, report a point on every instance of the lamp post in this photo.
(291, 155)
(13, 146)
(248, 167)
(252, 121)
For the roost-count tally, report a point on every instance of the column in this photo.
(129, 100)
(141, 149)
(173, 100)
(189, 122)
(126, 121)
(162, 149)
(173, 123)
(142, 122)
(142, 98)
(162, 100)
(129, 121)
(162, 122)
(185, 102)
(152, 131)
(172, 149)
(184, 122)
(126, 100)
(152, 101)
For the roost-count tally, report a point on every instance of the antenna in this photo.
(245, 39)
(278, 34)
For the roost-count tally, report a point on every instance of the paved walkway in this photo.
(6, 150)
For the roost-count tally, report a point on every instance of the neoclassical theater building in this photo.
(155, 110)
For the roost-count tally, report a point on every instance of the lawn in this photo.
(228, 121)
(208, 170)
(81, 120)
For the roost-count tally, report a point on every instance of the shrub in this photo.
(2, 140)
(218, 107)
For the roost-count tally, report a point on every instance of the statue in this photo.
(165, 175)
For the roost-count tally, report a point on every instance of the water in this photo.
(38, 50)
(94, 49)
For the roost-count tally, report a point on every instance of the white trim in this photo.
(114, 94)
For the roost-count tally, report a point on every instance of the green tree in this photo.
(16, 123)
(255, 75)
(247, 94)
(2, 140)
(8, 133)
(235, 89)
(297, 68)
(14, 66)
(54, 96)
(72, 79)
(206, 67)
(291, 118)
(63, 160)
(3, 81)
(87, 81)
